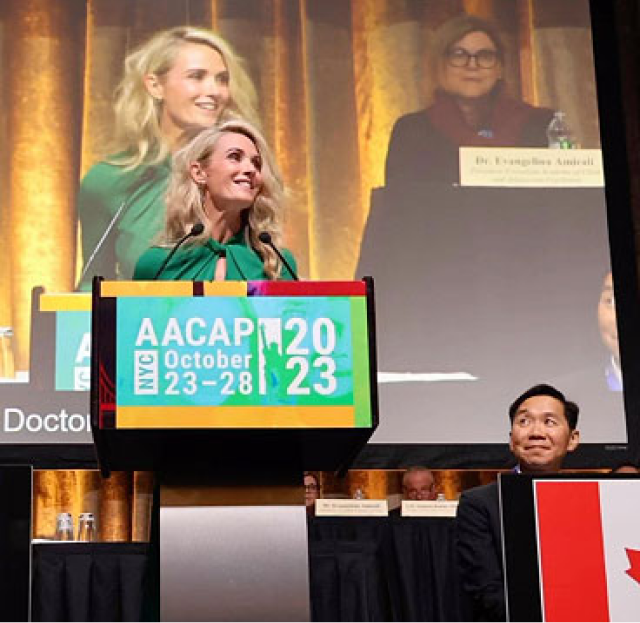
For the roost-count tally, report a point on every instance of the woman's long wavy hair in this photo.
(138, 137)
(185, 202)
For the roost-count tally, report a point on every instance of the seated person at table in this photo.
(470, 108)
(224, 182)
(311, 491)
(543, 431)
(418, 483)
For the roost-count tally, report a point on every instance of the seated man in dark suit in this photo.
(543, 431)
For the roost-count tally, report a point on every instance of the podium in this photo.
(229, 391)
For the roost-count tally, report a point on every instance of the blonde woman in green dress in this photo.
(178, 79)
(226, 180)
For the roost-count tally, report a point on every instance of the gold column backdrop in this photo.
(332, 76)
(564, 66)
(121, 504)
(62, 491)
(45, 49)
(378, 484)
(385, 89)
(284, 101)
(106, 43)
(5, 266)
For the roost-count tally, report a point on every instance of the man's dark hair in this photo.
(571, 409)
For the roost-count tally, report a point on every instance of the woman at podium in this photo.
(224, 212)
(179, 78)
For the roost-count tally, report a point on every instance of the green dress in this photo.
(139, 195)
(197, 262)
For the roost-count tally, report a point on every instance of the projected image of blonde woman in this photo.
(180, 78)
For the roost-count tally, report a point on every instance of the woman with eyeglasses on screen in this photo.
(470, 108)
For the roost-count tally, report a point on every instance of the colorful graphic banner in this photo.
(73, 350)
(243, 361)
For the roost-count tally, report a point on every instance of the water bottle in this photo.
(358, 494)
(558, 132)
(7, 368)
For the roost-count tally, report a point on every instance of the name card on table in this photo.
(429, 508)
(351, 508)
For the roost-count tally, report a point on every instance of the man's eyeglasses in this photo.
(459, 57)
(311, 487)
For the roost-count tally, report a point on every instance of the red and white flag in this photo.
(589, 549)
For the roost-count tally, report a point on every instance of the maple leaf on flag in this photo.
(634, 560)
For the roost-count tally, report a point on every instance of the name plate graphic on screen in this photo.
(236, 355)
(61, 344)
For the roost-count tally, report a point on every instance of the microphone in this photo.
(265, 237)
(102, 240)
(147, 176)
(196, 230)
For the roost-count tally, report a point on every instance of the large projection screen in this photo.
(425, 162)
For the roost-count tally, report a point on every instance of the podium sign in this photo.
(234, 356)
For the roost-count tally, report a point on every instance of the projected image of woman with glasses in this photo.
(470, 107)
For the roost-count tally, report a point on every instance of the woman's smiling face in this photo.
(232, 175)
(194, 92)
